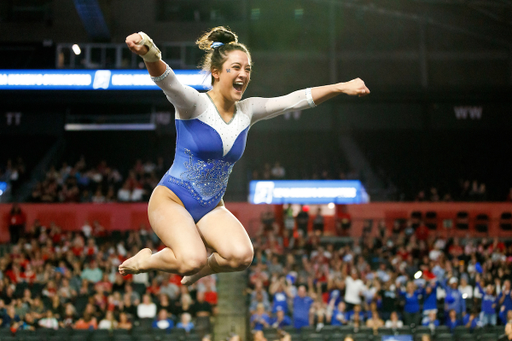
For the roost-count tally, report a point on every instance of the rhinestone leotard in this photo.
(207, 147)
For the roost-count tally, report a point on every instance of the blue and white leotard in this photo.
(206, 146)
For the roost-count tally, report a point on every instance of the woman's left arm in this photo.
(266, 108)
(354, 87)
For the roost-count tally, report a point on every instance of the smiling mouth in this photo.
(238, 86)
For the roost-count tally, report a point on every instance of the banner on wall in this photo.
(307, 192)
(93, 80)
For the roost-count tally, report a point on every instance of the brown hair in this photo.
(215, 57)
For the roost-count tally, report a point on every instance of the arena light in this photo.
(418, 275)
(307, 192)
(93, 80)
(76, 49)
(331, 205)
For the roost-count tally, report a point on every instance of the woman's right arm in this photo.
(185, 99)
(156, 68)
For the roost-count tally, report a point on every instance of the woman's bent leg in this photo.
(185, 253)
(232, 247)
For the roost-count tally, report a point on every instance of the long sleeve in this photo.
(480, 289)
(187, 101)
(442, 282)
(265, 108)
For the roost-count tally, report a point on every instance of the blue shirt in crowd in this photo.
(458, 304)
(257, 318)
(452, 324)
(427, 323)
(284, 323)
(163, 324)
(412, 301)
(474, 323)
(339, 317)
(280, 300)
(487, 301)
(430, 301)
(301, 306)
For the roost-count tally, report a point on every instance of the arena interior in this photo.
(414, 245)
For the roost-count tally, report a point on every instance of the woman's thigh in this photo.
(223, 232)
(173, 224)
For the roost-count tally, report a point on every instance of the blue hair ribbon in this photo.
(216, 44)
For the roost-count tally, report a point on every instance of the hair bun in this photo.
(217, 34)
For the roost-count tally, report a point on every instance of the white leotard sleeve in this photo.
(186, 100)
(265, 108)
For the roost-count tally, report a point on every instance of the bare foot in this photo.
(189, 280)
(133, 265)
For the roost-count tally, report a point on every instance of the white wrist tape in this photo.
(153, 54)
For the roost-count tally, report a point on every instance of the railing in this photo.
(179, 55)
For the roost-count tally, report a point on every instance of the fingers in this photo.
(364, 92)
(132, 42)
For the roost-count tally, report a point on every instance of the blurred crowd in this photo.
(50, 278)
(101, 183)
(277, 171)
(391, 277)
(13, 172)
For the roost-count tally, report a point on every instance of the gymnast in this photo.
(186, 209)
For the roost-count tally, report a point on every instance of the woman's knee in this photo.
(191, 264)
(241, 258)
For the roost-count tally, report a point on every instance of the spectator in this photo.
(86, 322)
(16, 223)
(281, 292)
(203, 311)
(388, 298)
(318, 222)
(168, 288)
(432, 322)
(471, 320)
(505, 301)
(356, 314)
(133, 295)
(452, 320)
(281, 320)
(124, 193)
(394, 322)
(260, 318)
(339, 315)
(147, 309)
(454, 300)
(278, 171)
(301, 308)
(259, 300)
(185, 322)
(354, 288)
(10, 319)
(489, 301)
(375, 321)
(163, 321)
(343, 220)
(69, 318)
(124, 322)
(49, 321)
(109, 322)
(91, 272)
(302, 220)
(259, 336)
(430, 299)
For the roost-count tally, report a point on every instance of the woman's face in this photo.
(234, 77)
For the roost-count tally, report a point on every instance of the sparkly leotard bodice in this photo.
(207, 147)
